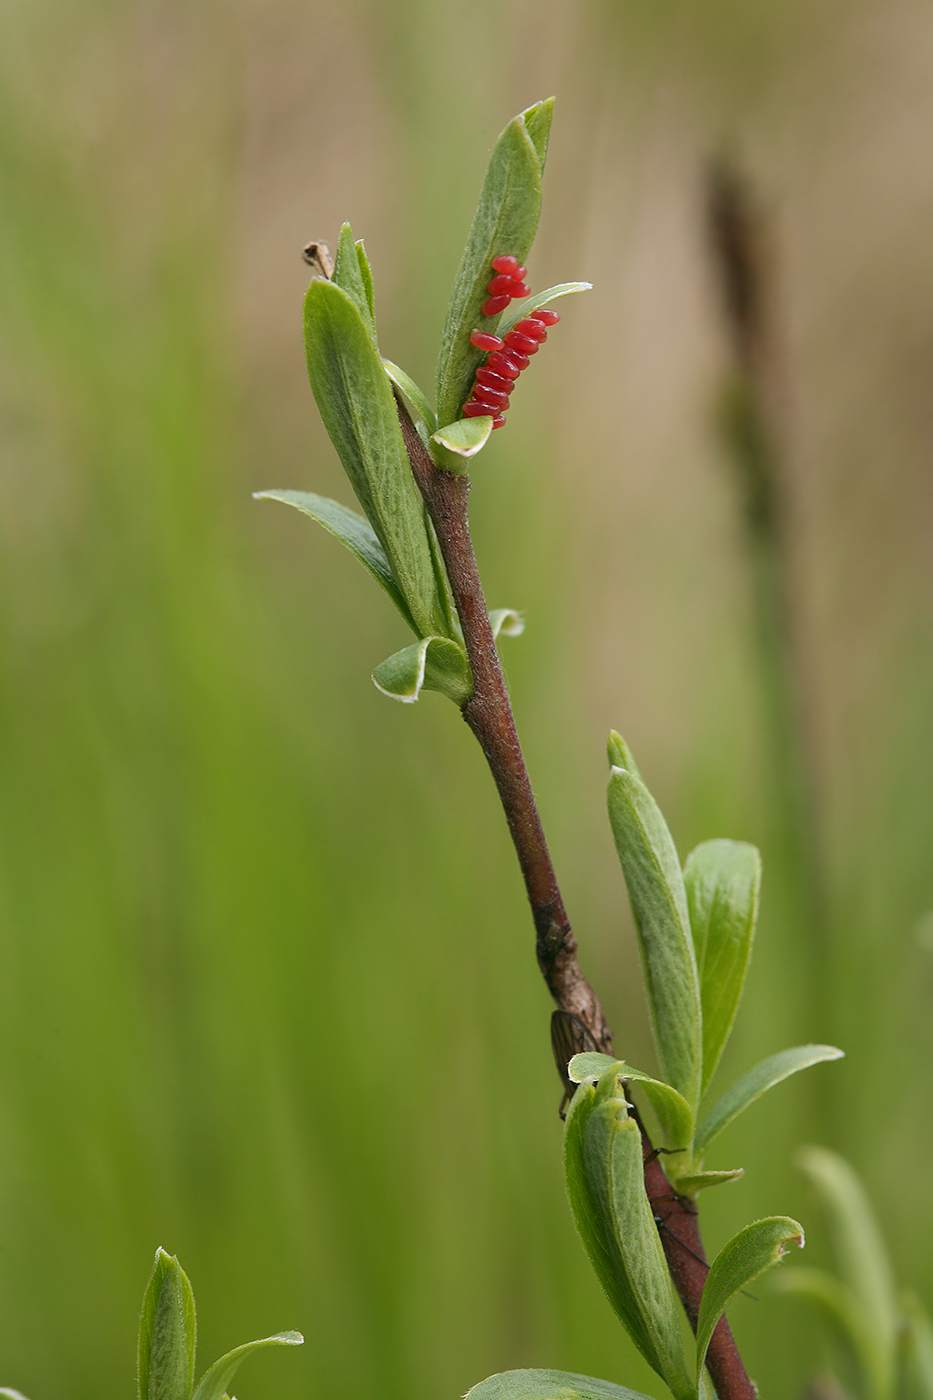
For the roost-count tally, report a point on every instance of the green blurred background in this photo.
(267, 988)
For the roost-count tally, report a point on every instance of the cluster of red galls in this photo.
(509, 355)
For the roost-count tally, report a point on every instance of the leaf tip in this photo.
(396, 695)
(465, 436)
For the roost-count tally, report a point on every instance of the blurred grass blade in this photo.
(604, 1169)
(436, 663)
(860, 1252)
(722, 879)
(213, 1384)
(167, 1333)
(756, 1082)
(350, 276)
(850, 1323)
(526, 306)
(659, 905)
(505, 221)
(672, 1109)
(415, 399)
(748, 1254)
(548, 1385)
(915, 1351)
(353, 531)
(358, 408)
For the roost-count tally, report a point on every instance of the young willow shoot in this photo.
(168, 1342)
(408, 464)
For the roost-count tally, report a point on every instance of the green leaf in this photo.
(167, 1333)
(17, 1395)
(672, 1109)
(366, 274)
(757, 1082)
(694, 1182)
(748, 1254)
(722, 880)
(415, 399)
(213, 1383)
(659, 905)
(849, 1320)
(605, 1183)
(537, 121)
(353, 531)
(526, 306)
(857, 1243)
(548, 1385)
(464, 439)
(436, 663)
(620, 755)
(915, 1348)
(349, 275)
(506, 622)
(358, 408)
(505, 221)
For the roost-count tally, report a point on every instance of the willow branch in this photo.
(488, 713)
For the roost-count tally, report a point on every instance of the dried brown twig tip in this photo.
(317, 255)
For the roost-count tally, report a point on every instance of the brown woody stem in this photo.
(488, 713)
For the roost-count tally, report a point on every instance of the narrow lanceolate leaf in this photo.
(420, 411)
(722, 879)
(436, 663)
(356, 402)
(695, 1182)
(748, 1254)
(605, 1183)
(548, 1385)
(849, 1321)
(353, 531)
(672, 1108)
(213, 1384)
(350, 276)
(756, 1082)
(528, 305)
(167, 1333)
(861, 1256)
(659, 905)
(505, 221)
